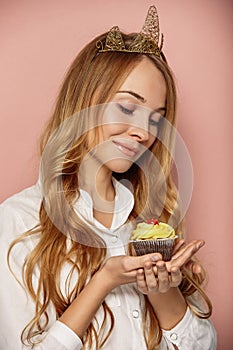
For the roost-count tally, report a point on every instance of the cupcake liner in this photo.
(164, 246)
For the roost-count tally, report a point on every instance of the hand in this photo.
(165, 275)
(183, 254)
(192, 265)
(123, 269)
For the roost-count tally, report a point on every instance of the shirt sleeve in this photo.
(59, 337)
(16, 308)
(192, 333)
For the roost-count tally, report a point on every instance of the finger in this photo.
(150, 278)
(175, 277)
(187, 253)
(154, 257)
(150, 259)
(180, 244)
(155, 270)
(197, 268)
(194, 267)
(193, 247)
(141, 282)
(163, 277)
(182, 249)
(130, 263)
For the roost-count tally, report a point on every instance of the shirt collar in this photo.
(124, 202)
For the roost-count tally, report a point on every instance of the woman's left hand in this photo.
(159, 277)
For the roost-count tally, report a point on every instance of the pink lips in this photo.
(126, 148)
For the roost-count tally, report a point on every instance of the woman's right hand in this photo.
(116, 270)
(122, 269)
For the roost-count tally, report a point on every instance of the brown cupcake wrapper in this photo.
(163, 246)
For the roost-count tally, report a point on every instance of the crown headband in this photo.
(146, 42)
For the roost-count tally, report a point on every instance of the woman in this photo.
(66, 237)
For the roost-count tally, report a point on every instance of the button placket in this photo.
(135, 313)
(114, 239)
(173, 336)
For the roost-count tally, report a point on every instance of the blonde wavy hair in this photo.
(88, 83)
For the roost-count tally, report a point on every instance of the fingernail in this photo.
(148, 267)
(161, 267)
(155, 258)
(174, 269)
(201, 244)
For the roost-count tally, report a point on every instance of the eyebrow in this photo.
(140, 98)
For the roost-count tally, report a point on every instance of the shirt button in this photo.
(135, 313)
(173, 336)
(114, 239)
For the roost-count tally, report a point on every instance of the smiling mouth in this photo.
(126, 149)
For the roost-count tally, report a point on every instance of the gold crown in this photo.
(146, 42)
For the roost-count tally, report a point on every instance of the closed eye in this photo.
(154, 123)
(125, 110)
(158, 122)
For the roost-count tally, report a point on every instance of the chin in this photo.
(119, 165)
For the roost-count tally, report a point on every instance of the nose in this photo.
(139, 129)
(138, 133)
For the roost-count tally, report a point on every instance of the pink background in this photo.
(39, 39)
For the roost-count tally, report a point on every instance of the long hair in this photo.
(92, 79)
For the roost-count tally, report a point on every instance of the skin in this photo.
(128, 129)
(154, 277)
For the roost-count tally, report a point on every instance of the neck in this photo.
(96, 179)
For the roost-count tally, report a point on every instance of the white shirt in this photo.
(20, 213)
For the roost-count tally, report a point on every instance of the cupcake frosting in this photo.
(152, 231)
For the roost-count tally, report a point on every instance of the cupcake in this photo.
(153, 237)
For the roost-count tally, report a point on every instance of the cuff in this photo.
(175, 334)
(65, 336)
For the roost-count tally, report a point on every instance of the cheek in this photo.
(93, 137)
(109, 130)
(151, 140)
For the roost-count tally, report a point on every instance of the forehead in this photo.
(147, 81)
